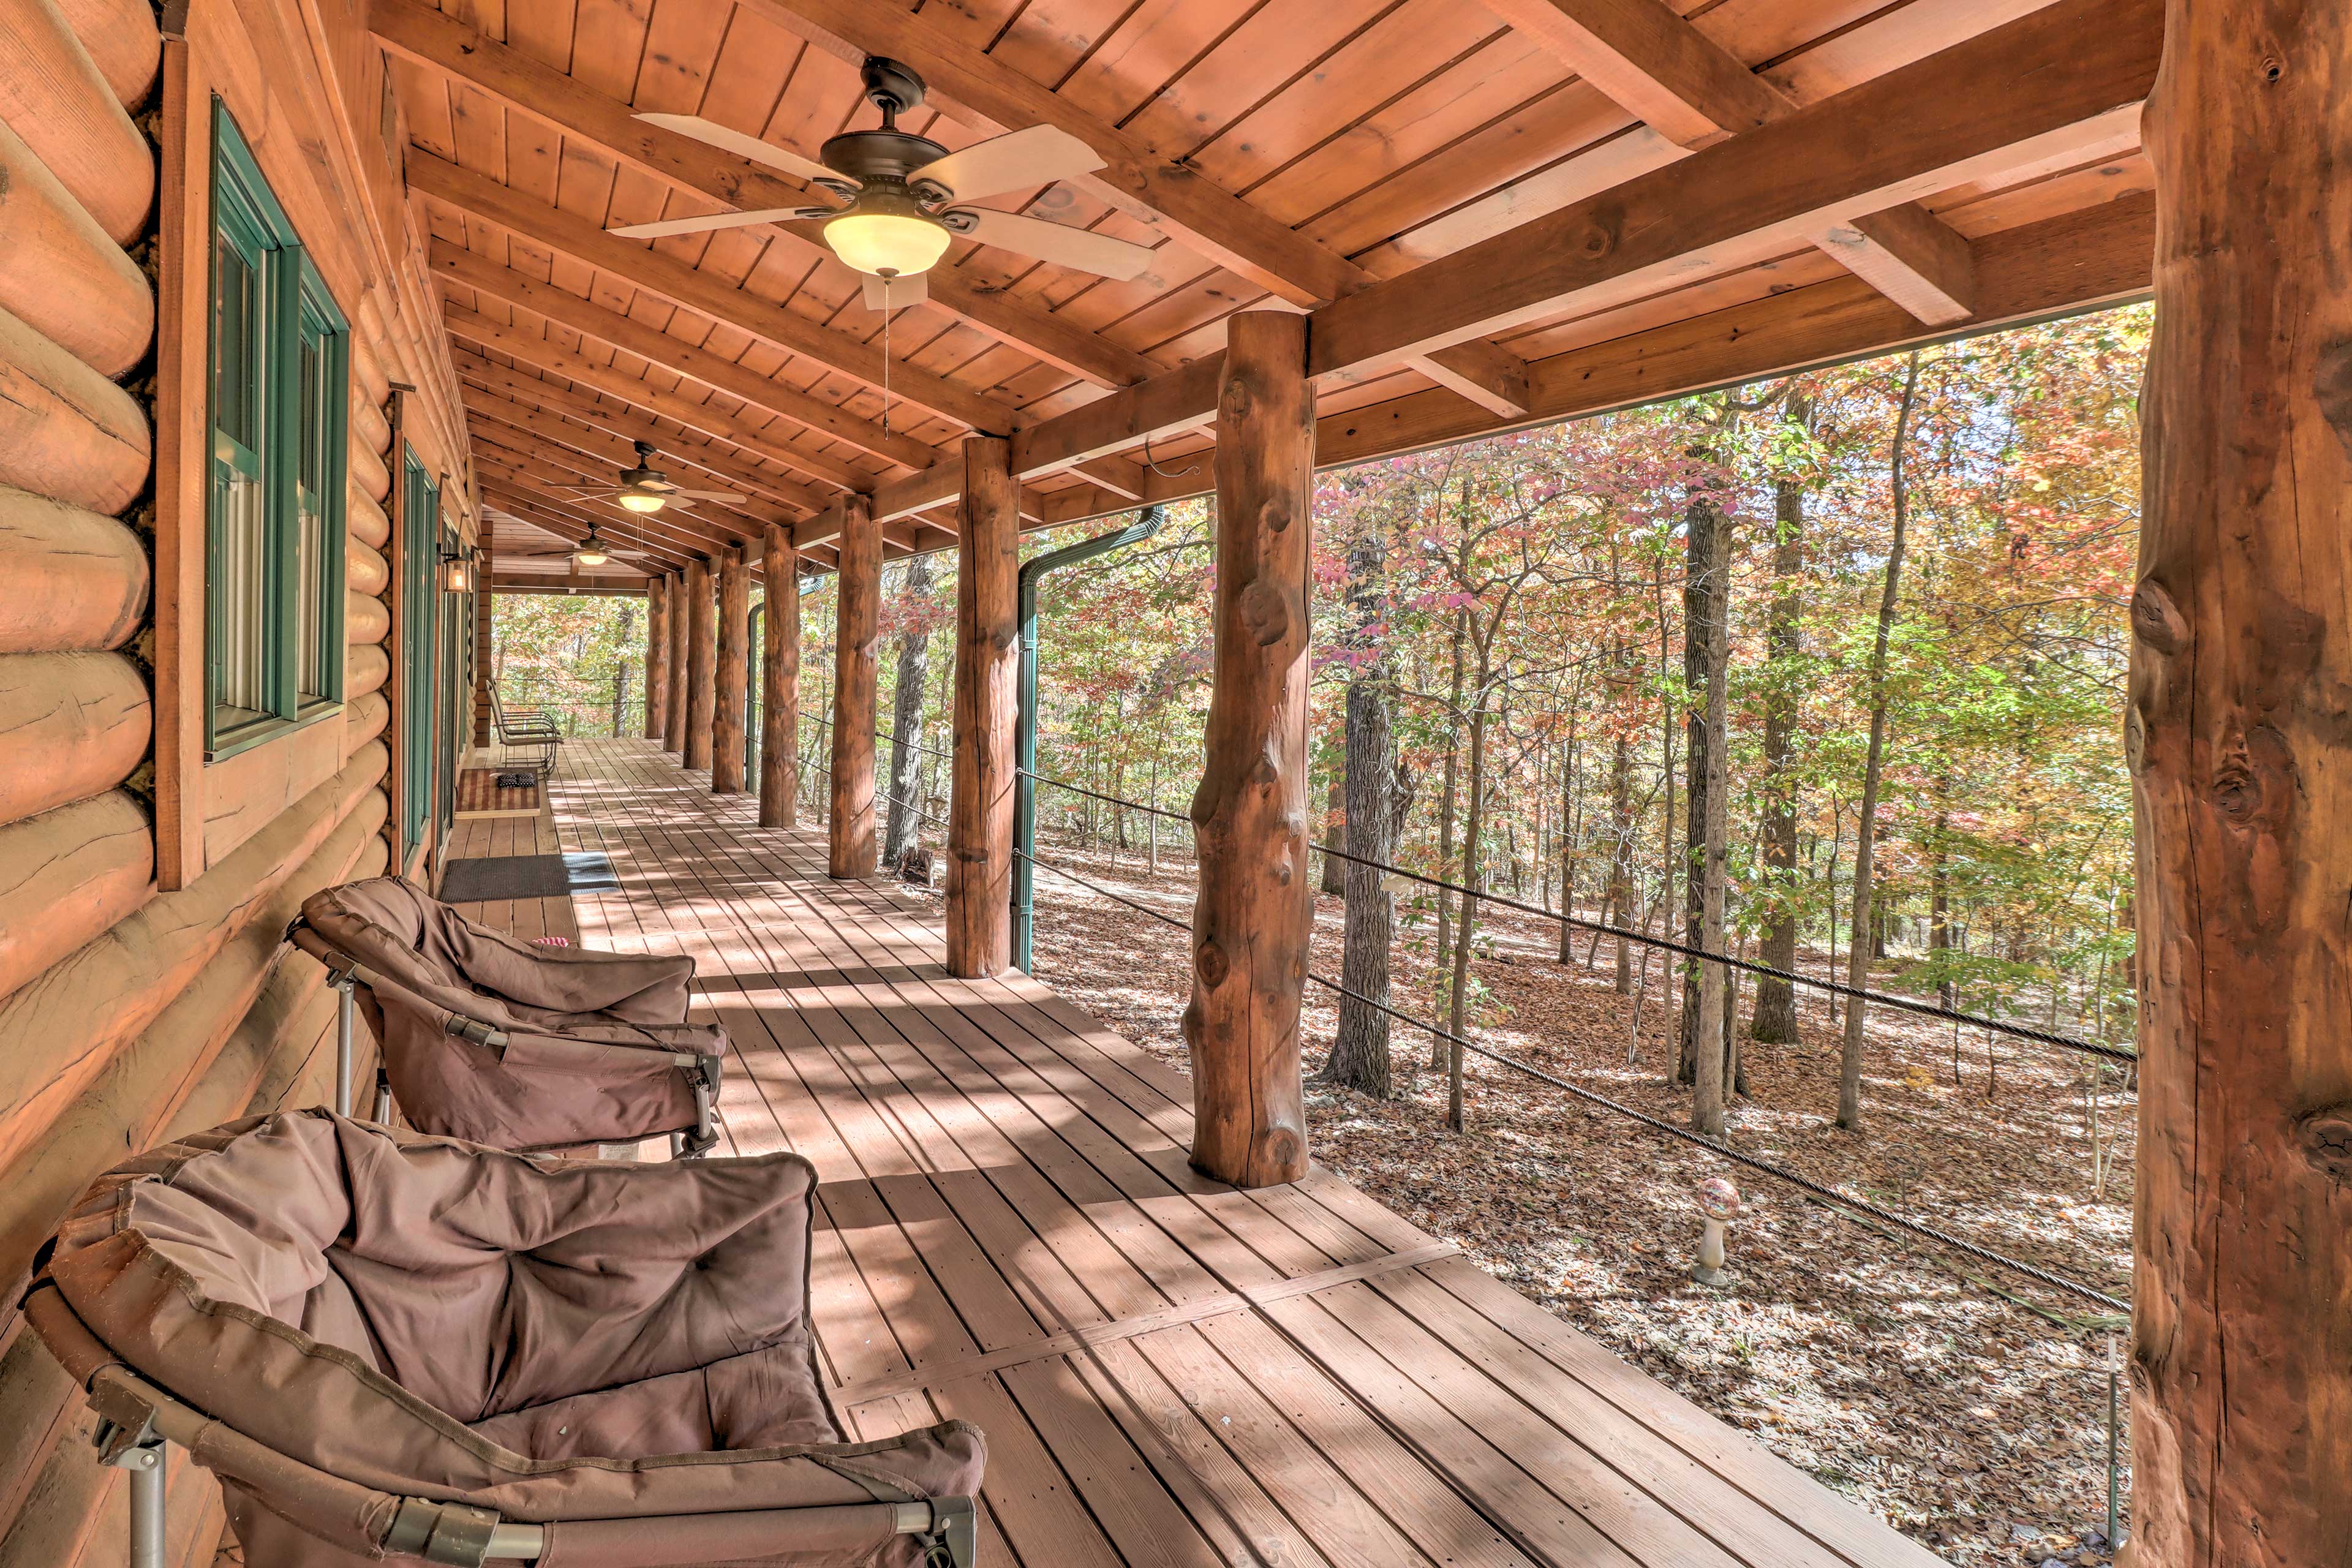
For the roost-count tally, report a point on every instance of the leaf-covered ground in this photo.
(1961, 1402)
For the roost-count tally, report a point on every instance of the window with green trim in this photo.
(280, 408)
(420, 618)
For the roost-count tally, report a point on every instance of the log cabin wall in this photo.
(144, 987)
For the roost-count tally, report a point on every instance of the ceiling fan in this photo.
(645, 489)
(591, 551)
(901, 191)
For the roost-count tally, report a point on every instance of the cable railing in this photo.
(1843, 1203)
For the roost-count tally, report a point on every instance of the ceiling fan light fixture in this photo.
(888, 234)
(643, 501)
(590, 555)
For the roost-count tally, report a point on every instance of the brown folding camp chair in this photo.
(389, 1345)
(489, 1039)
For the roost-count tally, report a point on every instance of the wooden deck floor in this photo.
(1169, 1372)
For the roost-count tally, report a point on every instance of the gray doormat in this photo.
(526, 877)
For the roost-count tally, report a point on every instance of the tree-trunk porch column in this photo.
(2242, 655)
(674, 708)
(701, 663)
(857, 618)
(780, 681)
(734, 673)
(657, 598)
(1251, 921)
(987, 698)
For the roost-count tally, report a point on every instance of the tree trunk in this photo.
(986, 705)
(851, 845)
(1360, 1051)
(1939, 893)
(1253, 914)
(732, 688)
(701, 664)
(2242, 655)
(1774, 1017)
(904, 826)
(1865, 830)
(1620, 899)
(1472, 877)
(1711, 1067)
(1334, 830)
(1706, 651)
(1446, 798)
(780, 677)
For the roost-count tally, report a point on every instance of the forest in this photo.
(1825, 673)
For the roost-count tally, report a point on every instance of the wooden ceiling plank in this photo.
(586, 317)
(526, 506)
(583, 241)
(442, 45)
(664, 531)
(1660, 68)
(626, 422)
(560, 465)
(529, 499)
(522, 344)
(2073, 76)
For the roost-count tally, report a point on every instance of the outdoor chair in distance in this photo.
(489, 1039)
(387, 1345)
(527, 730)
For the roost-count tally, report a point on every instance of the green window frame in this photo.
(279, 417)
(420, 616)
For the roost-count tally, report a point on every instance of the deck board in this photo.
(1010, 1233)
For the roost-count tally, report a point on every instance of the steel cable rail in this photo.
(1658, 1124)
(1829, 1194)
(1883, 998)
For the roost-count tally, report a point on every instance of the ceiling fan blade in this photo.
(711, 133)
(1038, 156)
(669, 227)
(1079, 247)
(706, 495)
(895, 293)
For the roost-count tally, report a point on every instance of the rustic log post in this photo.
(987, 704)
(486, 609)
(734, 672)
(2242, 1374)
(674, 708)
(857, 616)
(701, 661)
(1251, 918)
(780, 679)
(657, 598)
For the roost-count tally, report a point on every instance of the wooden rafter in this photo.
(710, 521)
(536, 500)
(1141, 181)
(629, 424)
(1660, 68)
(589, 318)
(2061, 83)
(551, 228)
(522, 345)
(449, 47)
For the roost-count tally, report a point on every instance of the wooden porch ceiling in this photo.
(1496, 215)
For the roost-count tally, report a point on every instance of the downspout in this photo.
(1025, 734)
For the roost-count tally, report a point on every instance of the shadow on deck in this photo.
(1169, 1372)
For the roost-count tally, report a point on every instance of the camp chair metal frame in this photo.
(527, 730)
(138, 1422)
(346, 974)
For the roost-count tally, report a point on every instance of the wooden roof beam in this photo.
(709, 520)
(1146, 182)
(551, 228)
(627, 423)
(554, 585)
(657, 346)
(449, 47)
(536, 502)
(2069, 79)
(1658, 66)
(521, 343)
